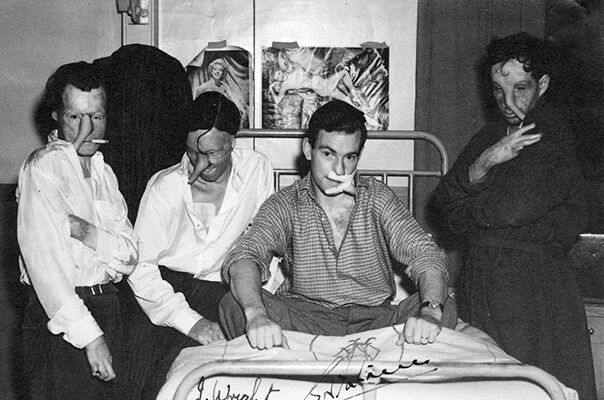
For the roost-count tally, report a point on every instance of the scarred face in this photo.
(516, 91)
(210, 154)
(82, 119)
(333, 151)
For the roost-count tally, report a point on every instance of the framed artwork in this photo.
(296, 81)
(225, 70)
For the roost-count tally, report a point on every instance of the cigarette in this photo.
(98, 141)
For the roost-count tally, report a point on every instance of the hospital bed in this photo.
(463, 363)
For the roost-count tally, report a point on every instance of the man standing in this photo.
(514, 195)
(189, 217)
(75, 240)
(335, 233)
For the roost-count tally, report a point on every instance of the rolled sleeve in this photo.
(118, 252)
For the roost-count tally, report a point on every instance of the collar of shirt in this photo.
(97, 161)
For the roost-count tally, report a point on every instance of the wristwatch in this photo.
(434, 304)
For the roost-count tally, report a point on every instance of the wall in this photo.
(185, 27)
(37, 37)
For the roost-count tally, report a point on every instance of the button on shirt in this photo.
(292, 225)
(172, 235)
(52, 186)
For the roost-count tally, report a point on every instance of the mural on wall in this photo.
(225, 70)
(296, 81)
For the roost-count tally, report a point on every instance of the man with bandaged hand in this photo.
(189, 217)
(75, 240)
(335, 232)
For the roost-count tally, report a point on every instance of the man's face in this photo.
(82, 119)
(209, 153)
(333, 151)
(516, 91)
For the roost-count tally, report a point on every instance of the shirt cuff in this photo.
(265, 272)
(185, 319)
(76, 323)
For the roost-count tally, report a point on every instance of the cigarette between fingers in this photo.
(98, 141)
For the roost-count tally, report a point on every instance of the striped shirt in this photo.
(292, 225)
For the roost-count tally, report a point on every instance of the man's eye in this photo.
(98, 117)
(73, 116)
(351, 157)
(326, 154)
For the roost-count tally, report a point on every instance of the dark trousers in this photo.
(300, 315)
(58, 370)
(151, 349)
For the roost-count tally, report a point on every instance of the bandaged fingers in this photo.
(205, 332)
(263, 333)
(419, 330)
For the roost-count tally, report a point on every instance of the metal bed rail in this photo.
(371, 135)
(372, 374)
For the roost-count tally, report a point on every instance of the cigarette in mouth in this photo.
(98, 141)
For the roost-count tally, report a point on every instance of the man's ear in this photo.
(543, 84)
(307, 149)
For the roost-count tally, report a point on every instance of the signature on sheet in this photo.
(354, 350)
(255, 394)
(339, 387)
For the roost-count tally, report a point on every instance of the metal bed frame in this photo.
(370, 374)
(409, 136)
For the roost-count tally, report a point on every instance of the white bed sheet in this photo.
(465, 344)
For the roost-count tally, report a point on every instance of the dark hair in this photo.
(213, 110)
(529, 50)
(82, 75)
(336, 115)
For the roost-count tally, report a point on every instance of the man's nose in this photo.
(340, 168)
(85, 124)
(509, 101)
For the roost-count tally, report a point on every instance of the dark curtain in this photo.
(575, 28)
(452, 99)
(148, 95)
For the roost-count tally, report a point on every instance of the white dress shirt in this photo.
(172, 235)
(52, 186)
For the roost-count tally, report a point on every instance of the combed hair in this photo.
(336, 115)
(82, 75)
(213, 110)
(529, 50)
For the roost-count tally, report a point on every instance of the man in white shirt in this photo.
(188, 219)
(75, 240)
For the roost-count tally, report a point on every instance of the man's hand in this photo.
(506, 149)
(83, 231)
(262, 332)
(422, 329)
(99, 359)
(205, 332)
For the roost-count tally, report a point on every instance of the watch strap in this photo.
(433, 304)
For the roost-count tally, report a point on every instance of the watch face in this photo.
(434, 304)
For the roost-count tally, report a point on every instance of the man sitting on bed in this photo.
(189, 217)
(335, 232)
